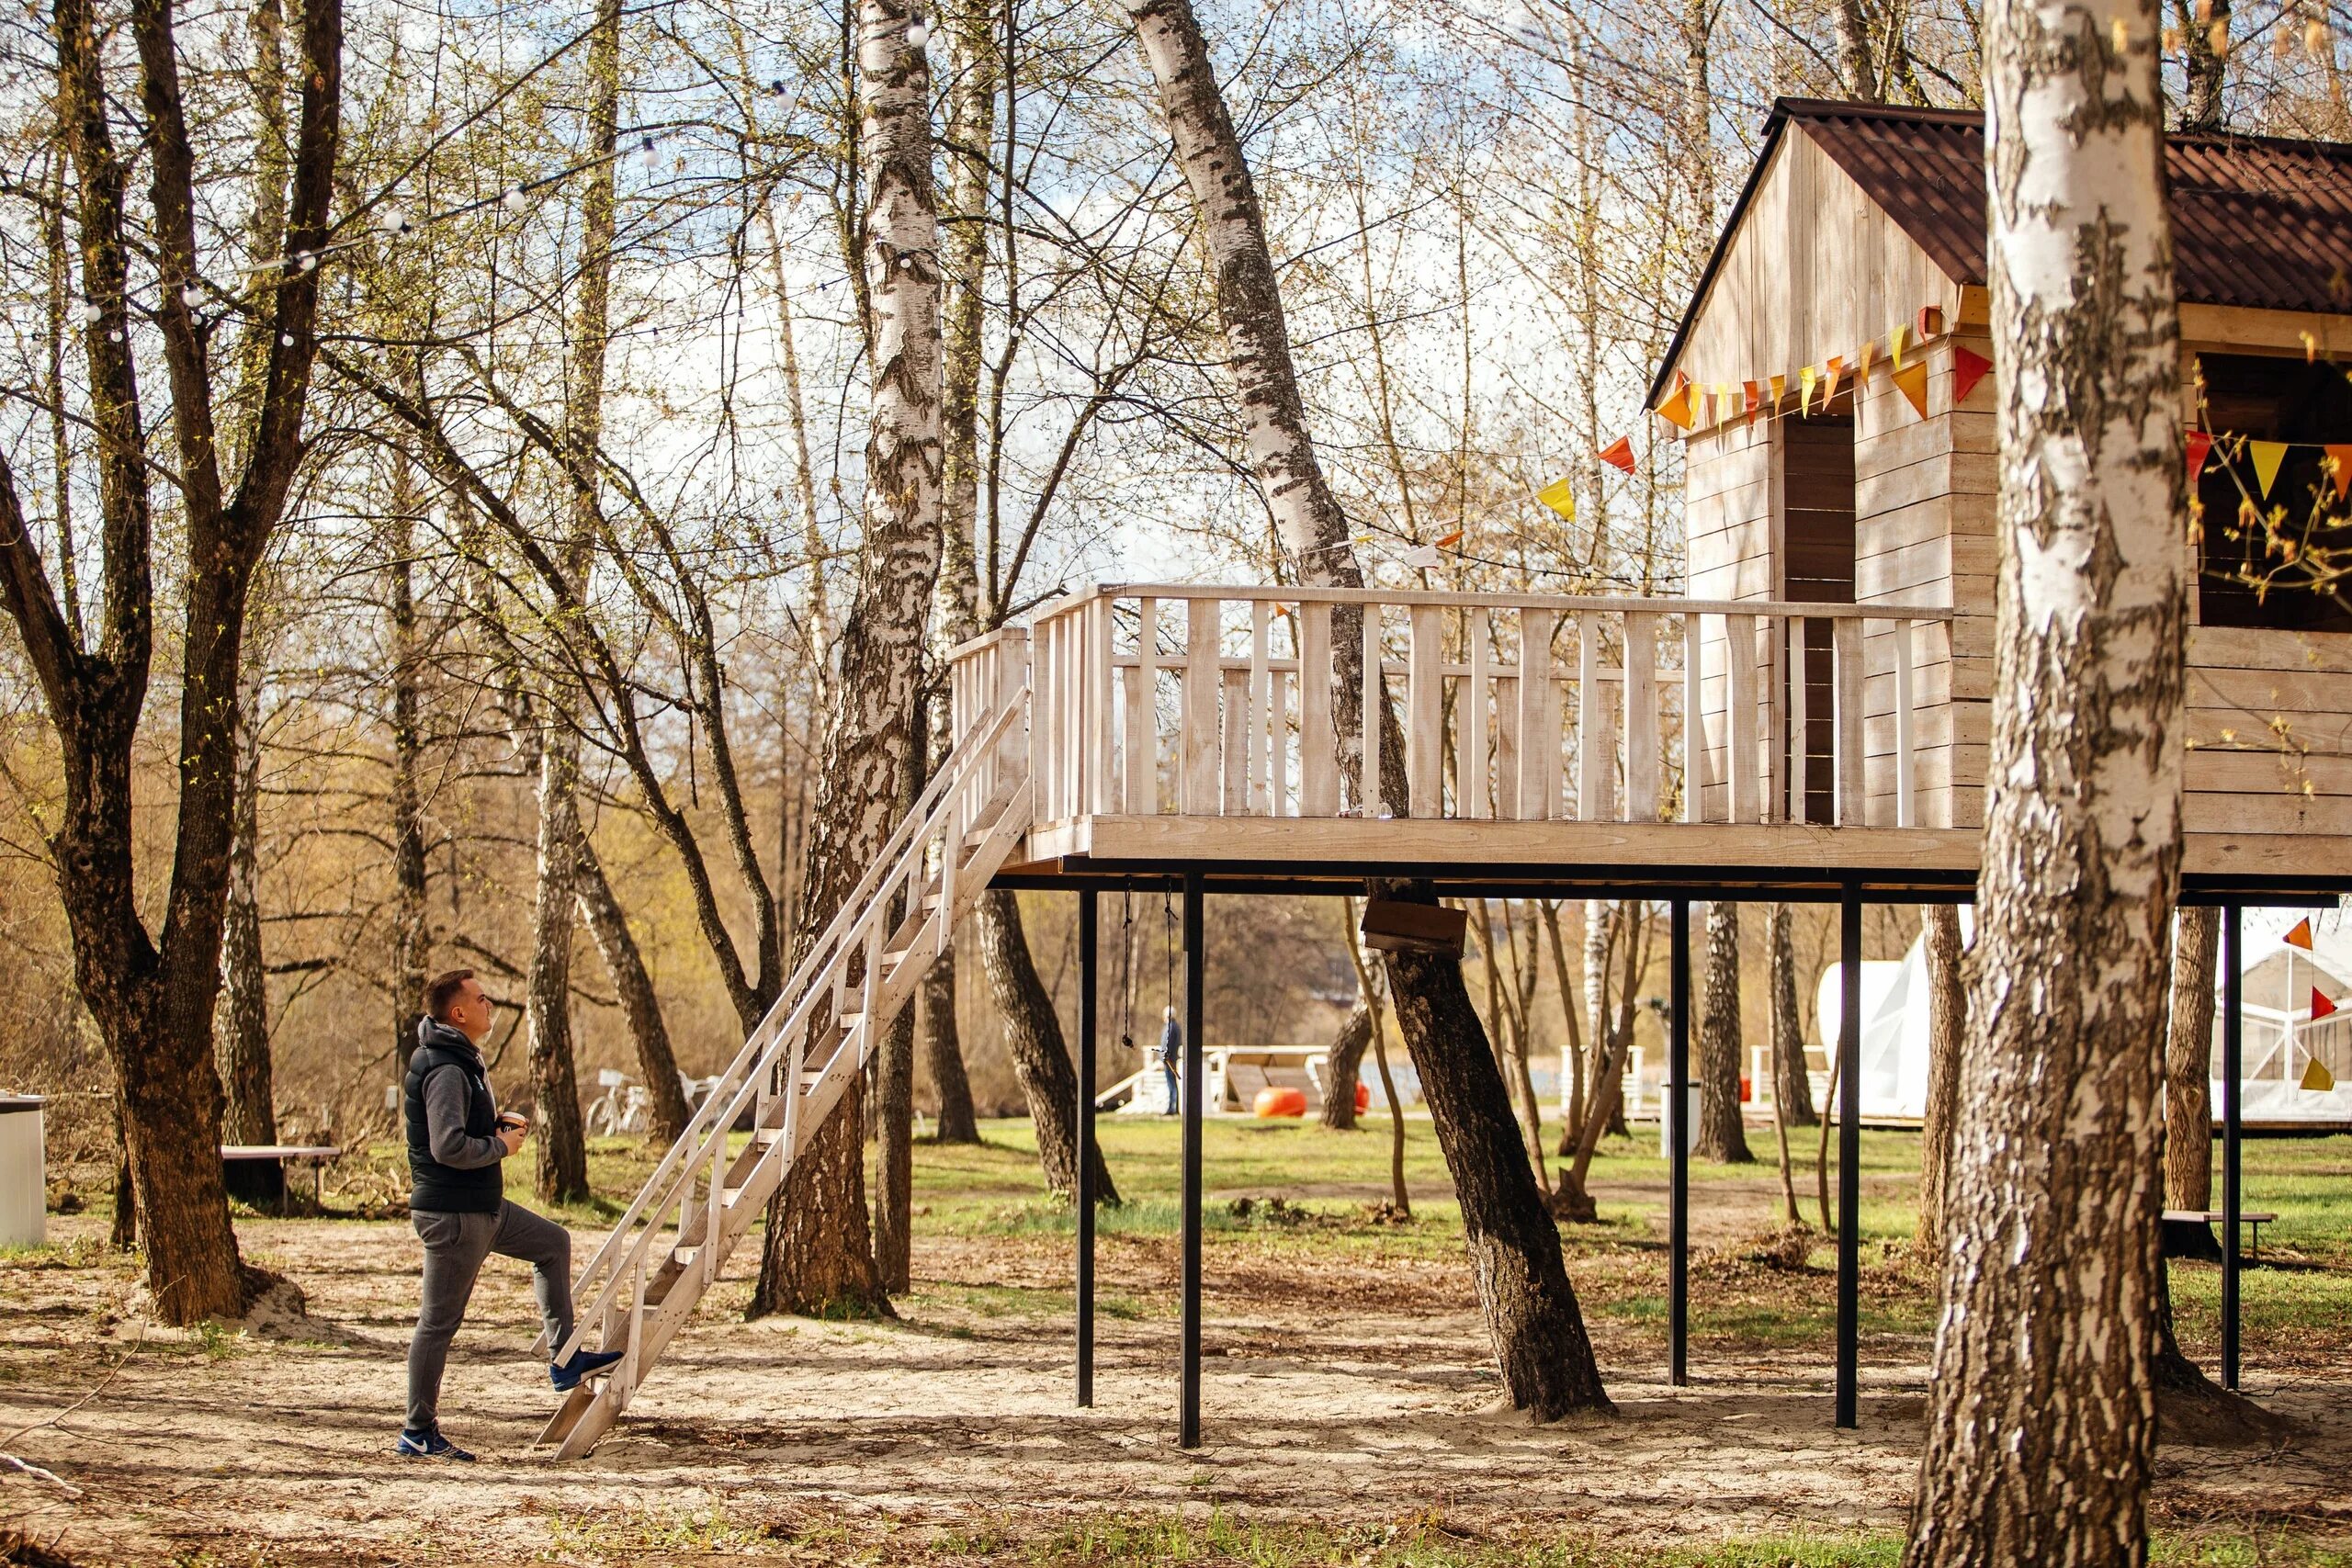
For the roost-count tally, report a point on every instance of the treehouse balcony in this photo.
(1567, 743)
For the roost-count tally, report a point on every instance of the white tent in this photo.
(2278, 1087)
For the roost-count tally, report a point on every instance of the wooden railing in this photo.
(1217, 701)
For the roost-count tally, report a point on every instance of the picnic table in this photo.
(2255, 1219)
(256, 1172)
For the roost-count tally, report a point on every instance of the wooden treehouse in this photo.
(1809, 723)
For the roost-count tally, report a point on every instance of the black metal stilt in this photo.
(1087, 1028)
(1188, 1434)
(2232, 1064)
(1675, 1115)
(1849, 1153)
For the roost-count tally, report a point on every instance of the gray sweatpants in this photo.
(455, 1246)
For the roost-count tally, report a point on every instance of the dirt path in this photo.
(1355, 1395)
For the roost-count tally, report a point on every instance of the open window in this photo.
(1816, 462)
(2255, 561)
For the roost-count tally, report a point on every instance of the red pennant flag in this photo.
(2321, 1006)
(2301, 936)
(1619, 454)
(2200, 447)
(2342, 457)
(1967, 370)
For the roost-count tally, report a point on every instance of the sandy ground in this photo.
(1356, 1394)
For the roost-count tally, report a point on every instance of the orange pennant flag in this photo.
(1755, 398)
(2321, 1006)
(1619, 454)
(1832, 369)
(1912, 382)
(2268, 455)
(2342, 458)
(2301, 936)
(1864, 357)
(1676, 410)
(1449, 540)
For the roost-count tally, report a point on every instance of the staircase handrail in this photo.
(744, 1070)
(711, 1119)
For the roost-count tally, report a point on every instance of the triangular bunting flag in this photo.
(1779, 390)
(1559, 498)
(1912, 382)
(1967, 370)
(1830, 371)
(2316, 1078)
(1454, 538)
(1676, 409)
(2342, 458)
(1423, 556)
(1805, 378)
(2268, 455)
(1755, 398)
(1895, 346)
(2200, 447)
(1619, 454)
(2321, 1006)
(1864, 357)
(2301, 936)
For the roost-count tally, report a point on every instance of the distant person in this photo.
(457, 1137)
(1171, 1045)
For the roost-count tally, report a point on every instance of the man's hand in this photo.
(512, 1134)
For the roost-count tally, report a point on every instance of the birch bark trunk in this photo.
(1723, 1136)
(1538, 1333)
(2041, 1424)
(817, 1256)
(657, 1063)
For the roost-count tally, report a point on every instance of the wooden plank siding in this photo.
(1816, 268)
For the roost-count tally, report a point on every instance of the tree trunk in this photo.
(153, 998)
(2188, 1060)
(2042, 1426)
(1345, 1057)
(1032, 1033)
(1723, 1135)
(411, 932)
(1600, 920)
(562, 1164)
(816, 1257)
(894, 1109)
(944, 1053)
(657, 1064)
(1791, 1088)
(1531, 1316)
(1947, 1037)
(250, 1114)
(2206, 65)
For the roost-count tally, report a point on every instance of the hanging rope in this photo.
(1126, 967)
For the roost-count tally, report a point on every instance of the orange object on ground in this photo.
(1364, 1097)
(1272, 1103)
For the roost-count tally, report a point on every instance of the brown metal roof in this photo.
(2257, 220)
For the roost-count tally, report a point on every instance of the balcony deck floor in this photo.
(1791, 860)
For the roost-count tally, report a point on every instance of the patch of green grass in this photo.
(626, 1534)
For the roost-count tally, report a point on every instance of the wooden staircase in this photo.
(645, 1281)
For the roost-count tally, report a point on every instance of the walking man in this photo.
(456, 1138)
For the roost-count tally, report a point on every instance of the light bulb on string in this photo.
(191, 297)
(917, 31)
(513, 199)
(646, 155)
(93, 313)
(393, 221)
(285, 340)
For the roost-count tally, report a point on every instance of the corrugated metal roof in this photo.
(2257, 220)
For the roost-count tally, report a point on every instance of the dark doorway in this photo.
(1816, 458)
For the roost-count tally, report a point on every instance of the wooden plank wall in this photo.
(1731, 510)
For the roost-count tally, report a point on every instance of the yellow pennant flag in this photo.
(1780, 389)
(2316, 1078)
(1912, 382)
(2268, 455)
(1864, 357)
(1805, 378)
(1559, 498)
(1895, 346)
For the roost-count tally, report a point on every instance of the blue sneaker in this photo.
(432, 1445)
(566, 1375)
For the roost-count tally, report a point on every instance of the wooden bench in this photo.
(256, 1172)
(2255, 1219)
